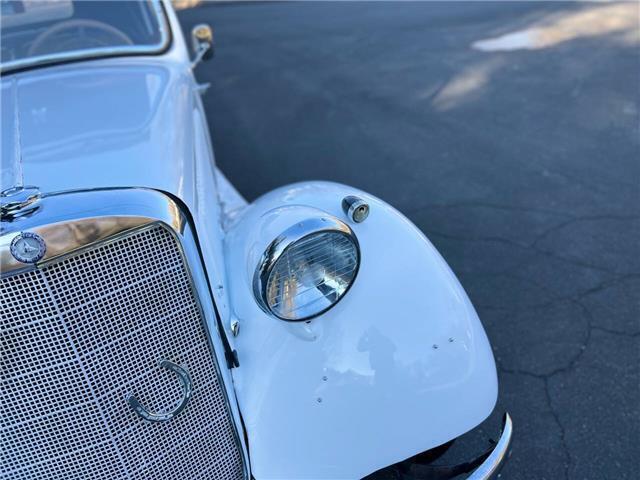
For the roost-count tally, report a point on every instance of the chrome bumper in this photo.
(424, 466)
(491, 466)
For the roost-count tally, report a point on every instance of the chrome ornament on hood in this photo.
(18, 201)
(28, 247)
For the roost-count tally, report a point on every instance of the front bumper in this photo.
(492, 465)
(486, 466)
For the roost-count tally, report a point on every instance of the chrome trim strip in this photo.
(74, 220)
(94, 53)
(490, 468)
(66, 237)
(277, 247)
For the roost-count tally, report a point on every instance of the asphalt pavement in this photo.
(509, 133)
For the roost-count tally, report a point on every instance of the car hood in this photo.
(111, 123)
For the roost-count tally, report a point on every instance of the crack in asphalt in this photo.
(587, 218)
(571, 365)
(489, 205)
(555, 300)
(547, 253)
(576, 298)
(617, 332)
(533, 245)
(556, 415)
(572, 361)
(563, 433)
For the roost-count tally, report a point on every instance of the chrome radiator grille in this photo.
(78, 336)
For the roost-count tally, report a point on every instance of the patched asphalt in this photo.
(522, 167)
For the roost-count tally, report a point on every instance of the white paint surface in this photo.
(360, 387)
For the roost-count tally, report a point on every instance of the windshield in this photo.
(38, 32)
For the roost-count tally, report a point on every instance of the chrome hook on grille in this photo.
(185, 380)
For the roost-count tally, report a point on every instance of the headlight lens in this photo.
(305, 277)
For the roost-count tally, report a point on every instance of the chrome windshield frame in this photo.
(98, 53)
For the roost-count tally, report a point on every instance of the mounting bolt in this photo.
(235, 328)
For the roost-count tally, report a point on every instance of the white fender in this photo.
(400, 365)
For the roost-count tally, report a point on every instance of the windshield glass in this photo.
(41, 32)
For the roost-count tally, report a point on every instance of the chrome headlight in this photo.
(307, 269)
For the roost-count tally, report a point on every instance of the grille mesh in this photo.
(81, 334)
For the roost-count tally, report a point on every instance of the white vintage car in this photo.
(155, 325)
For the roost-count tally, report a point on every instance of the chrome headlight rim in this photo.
(278, 247)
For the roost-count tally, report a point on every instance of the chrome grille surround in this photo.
(82, 331)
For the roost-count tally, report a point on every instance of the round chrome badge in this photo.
(28, 247)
